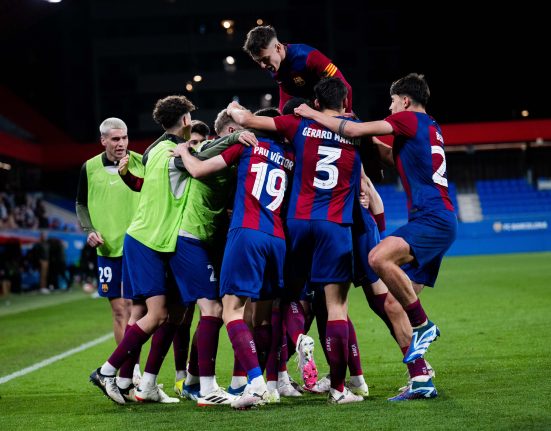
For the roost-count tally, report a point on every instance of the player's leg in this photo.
(245, 350)
(336, 339)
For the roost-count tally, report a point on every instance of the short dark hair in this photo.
(414, 86)
(330, 93)
(197, 126)
(291, 104)
(168, 111)
(258, 38)
(268, 112)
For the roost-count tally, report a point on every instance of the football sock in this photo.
(132, 342)
(337, 350)
(160, 345)
(416, 314)
(208, 333)
(354, 361)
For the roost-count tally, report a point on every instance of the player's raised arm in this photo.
(247, 119)
(344, 127)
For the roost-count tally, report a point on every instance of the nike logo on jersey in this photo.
(113, 182)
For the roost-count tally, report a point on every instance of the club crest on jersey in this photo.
(104, 287)
(298, 81)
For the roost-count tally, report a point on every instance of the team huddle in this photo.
(264, 229)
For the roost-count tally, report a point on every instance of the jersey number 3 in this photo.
(324, 164)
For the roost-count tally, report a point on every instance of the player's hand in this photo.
(180, 148)
(364, 191)
(364, 200)
(248, 139)
(232, 106)
(94, 239)
(123, 165)
(305, 111)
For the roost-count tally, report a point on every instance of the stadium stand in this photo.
(511, 197)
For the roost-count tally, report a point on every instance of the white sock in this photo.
(108, 370)
(148, 380)
(191, 379)
(258, 384)
(357, 380)
(137, 370)
(180, 374)
(283, 377)
(123, 382)
(208, 385)
(272, 385)
(238, 381)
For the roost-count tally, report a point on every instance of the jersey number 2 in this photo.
(438, 176)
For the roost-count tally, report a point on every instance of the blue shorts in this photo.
(110, 277)
(308, 291)
(147, 269)
(320, 251)
(429, 237)
(366, 236)
(193, 270)
(253, 264)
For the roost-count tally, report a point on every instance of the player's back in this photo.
(327, 171)
(262, 177)
(418, 151)
(159, 210)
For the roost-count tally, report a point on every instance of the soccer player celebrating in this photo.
(325, 184)
(418, 153)
(255, 251)
(149, 241)
(204, 223)
(297, 68)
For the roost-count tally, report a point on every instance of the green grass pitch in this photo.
(493, 362)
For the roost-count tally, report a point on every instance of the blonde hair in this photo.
(111, 123)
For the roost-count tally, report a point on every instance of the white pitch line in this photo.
(55, 358)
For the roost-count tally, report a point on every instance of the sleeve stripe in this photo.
(331, 69)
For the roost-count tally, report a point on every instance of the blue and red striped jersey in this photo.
(418, 152)
(263, 173)
(327, 171)
(301, 70)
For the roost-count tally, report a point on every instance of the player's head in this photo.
(114, 137)
(291, 104)
(268, 112)
(330, 93)
(264, 48)
(199, 131)
(225, 124)
(173, 113)
(411, 91)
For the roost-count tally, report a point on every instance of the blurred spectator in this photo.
(88, 268)
(40, 212)
(57, 267)
(23, 212)
(39, 258)
(10, 267)
(6, 212)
